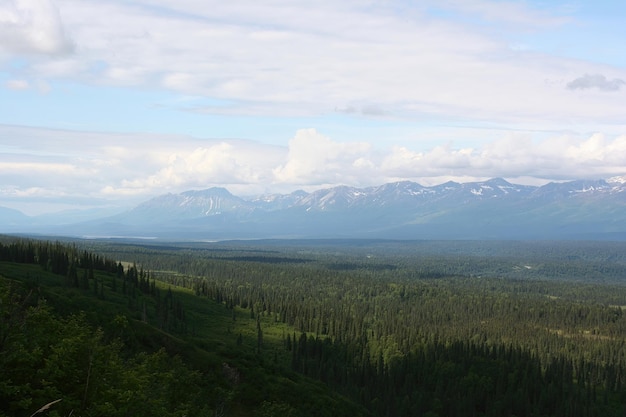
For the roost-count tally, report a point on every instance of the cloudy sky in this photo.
(107, 103)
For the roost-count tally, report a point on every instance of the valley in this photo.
(313, 327)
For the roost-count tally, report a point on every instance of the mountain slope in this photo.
(11, 218)
(493, 209)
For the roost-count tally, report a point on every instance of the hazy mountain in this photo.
(187, 205)
(272, 202)
(12, 219)
(494, 209)
(74, 215)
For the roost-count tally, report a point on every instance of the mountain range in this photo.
(493, 209)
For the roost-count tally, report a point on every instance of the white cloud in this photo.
(32, 27)
(218, 163)
(32, 193)
(37, 168)
(285, 58)
(316, 159)
(66, 166)
(17, 85)
(444, 93)
(513, 156)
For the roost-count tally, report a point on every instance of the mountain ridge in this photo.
(491, 209)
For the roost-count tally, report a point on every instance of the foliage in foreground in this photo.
(118, 348)
(47, 357)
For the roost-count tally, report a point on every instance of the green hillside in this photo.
(111, 343)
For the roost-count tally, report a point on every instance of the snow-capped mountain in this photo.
(332, 199)
(493, 209)
(272, 202)
(617, 180)
(187, 205)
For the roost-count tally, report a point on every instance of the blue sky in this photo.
(105, 104)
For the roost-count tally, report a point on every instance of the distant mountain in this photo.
(493, 209)
(187, 205)
(62, 223)
(74, 215)
(12, 218)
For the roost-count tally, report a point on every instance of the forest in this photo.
(312, 328)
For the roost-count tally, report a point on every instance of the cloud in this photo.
(62, 166)
(39, 168)
(17, 85)
(238, 165)
(597, 81)
(512, 156)
(32, 193)
(366, 110)
(316, 159)
(32, 27)
(290, 59)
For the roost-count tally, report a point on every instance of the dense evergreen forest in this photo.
(313, 328)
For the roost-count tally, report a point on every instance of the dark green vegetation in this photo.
(313, 328)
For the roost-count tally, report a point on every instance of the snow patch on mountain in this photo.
(617, 180)
(486, 209)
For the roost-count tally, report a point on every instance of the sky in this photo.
(104, 104)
